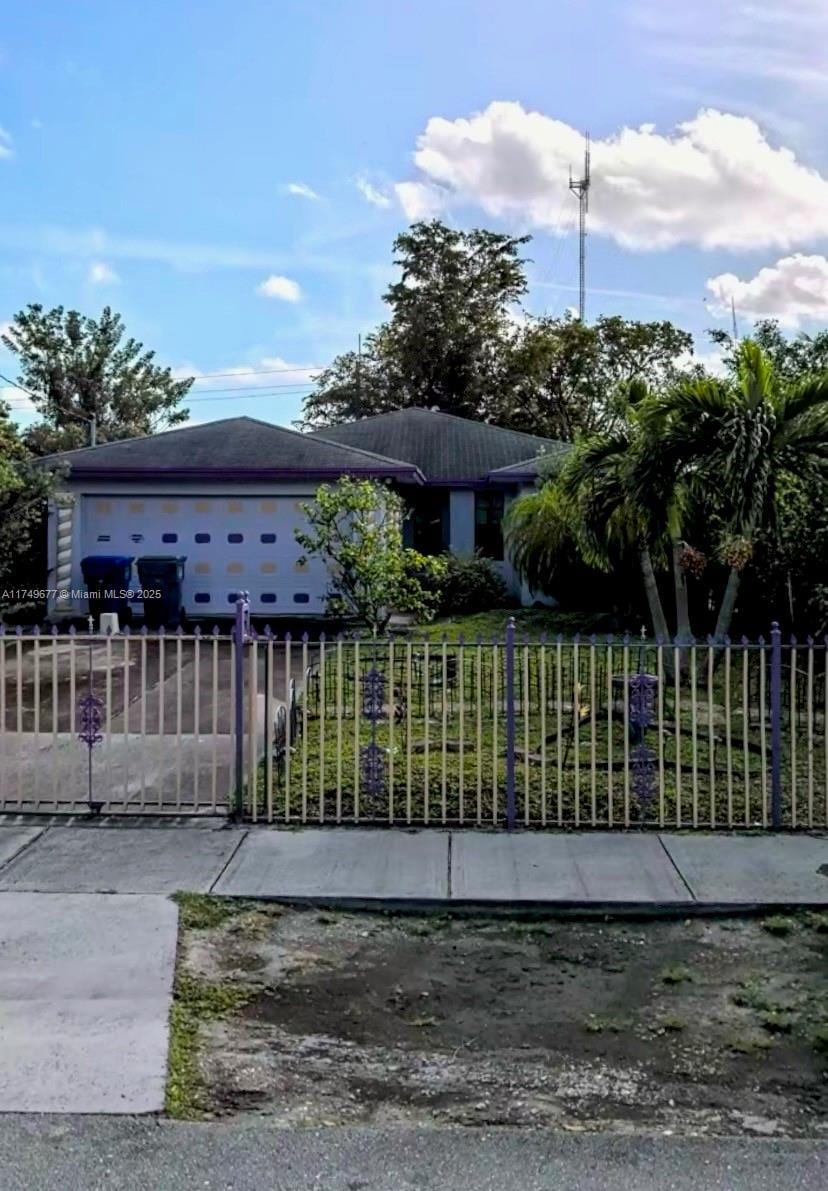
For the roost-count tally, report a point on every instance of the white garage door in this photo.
(231, 544)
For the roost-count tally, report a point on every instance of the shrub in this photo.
(470, 584)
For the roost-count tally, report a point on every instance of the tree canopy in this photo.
(693, 479)
(457, 340)
(76, 367)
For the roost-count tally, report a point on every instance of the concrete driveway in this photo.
(85, 987)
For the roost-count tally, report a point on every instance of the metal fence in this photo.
(568, 733)
(121, 722)
(508, 732)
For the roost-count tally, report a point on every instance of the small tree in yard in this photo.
(355, 527)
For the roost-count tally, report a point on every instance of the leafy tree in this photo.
(77, 368)
(792, 359)
(23, 492)
(447, 340)
(744, 438)
(565, 375)
(355, 527)
(451, 343)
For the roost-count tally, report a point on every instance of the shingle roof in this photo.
(529, 469)
(243, 447)
(445, 448)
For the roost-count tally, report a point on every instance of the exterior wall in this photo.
(461, 537)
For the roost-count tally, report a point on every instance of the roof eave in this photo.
(410, 475)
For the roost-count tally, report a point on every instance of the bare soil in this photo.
(697, 1026)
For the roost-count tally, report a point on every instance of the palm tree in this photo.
(742, 437)
(603, 504)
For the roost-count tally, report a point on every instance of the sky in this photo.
(231, 176)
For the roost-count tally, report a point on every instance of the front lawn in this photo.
(533, 622)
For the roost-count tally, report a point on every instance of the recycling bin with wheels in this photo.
(105, 576)
(163, 575)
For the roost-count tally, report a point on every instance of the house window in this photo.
(488, 524)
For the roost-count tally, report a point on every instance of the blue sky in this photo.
(230, 176)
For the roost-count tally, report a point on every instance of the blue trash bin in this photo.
(105, 576)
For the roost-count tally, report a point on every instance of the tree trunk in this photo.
(683, 631)
(660, 627)
(727, 606)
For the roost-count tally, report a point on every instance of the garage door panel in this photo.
(231, 544)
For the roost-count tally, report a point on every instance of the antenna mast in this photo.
(580, 188)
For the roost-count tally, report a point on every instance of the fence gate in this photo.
(119, 723)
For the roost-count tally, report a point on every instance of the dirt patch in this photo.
(695, 1026)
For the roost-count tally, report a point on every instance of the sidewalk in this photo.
(594, 871)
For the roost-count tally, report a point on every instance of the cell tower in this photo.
(580, 188)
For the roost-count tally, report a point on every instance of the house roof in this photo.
(232, 448)
(445, 448)
(528, 469)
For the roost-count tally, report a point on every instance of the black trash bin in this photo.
(105, 577)
(163, 574)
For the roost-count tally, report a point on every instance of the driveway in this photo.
(167, 718)
(85, 987)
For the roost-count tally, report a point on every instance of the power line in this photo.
(257, 394)
(254, 389)
(252, 372)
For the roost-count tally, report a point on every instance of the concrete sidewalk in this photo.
(383, 867)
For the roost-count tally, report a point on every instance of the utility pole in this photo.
(733, 316)
(580, 188)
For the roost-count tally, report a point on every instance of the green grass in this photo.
(195, 1003)
(752, 996)
(532, 621)
(202, 911)
(779, 925)
(676, 974)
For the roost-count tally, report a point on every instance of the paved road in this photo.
(94, 1154)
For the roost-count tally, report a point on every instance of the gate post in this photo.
(241, 627)
(510, 723)
(776, 725)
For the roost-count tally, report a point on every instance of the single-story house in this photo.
(227, 496)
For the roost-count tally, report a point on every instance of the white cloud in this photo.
(102, 274)
(782, 43)
(97, 243)
(711, 359)
(715, 181)
(372, 194)
(282, 288)
(301, 190)
(795, 288)
(5, 143)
